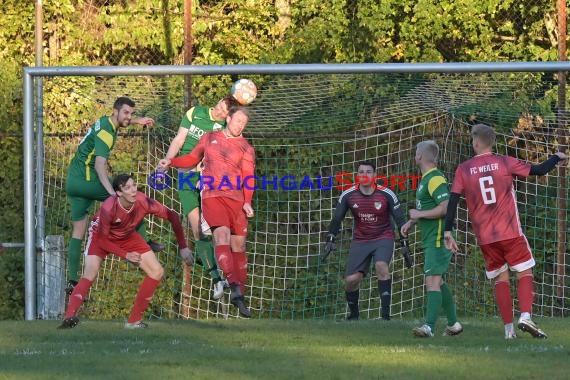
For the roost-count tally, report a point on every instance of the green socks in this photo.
(205, 251)
(448, 305)
(73, 259)
(433, 307)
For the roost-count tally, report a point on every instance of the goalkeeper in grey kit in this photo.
(373, 208)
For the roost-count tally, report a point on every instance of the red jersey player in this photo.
(113, 229)
(486, 180)
(227, 160)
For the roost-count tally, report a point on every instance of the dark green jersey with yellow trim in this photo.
(432, 190)
(98, 141)
(198, 120)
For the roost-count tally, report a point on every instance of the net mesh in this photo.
(306, 129)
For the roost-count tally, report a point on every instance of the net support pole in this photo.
(562, 223)
(39, 100)
(29, 201)
(188, 46)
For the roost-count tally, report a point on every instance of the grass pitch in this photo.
(277, 349)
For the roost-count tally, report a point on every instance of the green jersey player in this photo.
(87, 179)
(196, 122)
(432, 196)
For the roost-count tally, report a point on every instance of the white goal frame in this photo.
(33, 134)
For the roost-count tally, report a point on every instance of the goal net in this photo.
(306, 129)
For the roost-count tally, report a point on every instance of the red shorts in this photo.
(134, 243)
(502, 255)
(222, 211)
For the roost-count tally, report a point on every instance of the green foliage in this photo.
(11, 154)
(234, 31)
(12, 284)
(419, 31)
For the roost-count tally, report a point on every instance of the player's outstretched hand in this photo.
(133, 257)
(563, 157)
(146, 121)
(163, 165)
(328, 248)
(187, 256)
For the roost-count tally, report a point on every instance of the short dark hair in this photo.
(368, 163)
(235, 109)
(121, 101)
(230, 101)
(120, 181)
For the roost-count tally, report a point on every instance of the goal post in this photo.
(313, 120)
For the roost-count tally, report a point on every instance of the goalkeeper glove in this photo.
(329, 247)
(187, 256)
(405, 247)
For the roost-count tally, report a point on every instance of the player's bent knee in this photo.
(156, 273)
(353, 281)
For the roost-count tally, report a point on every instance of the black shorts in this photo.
(361, 253)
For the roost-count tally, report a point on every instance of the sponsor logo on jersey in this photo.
(368, 217)
(196, 132)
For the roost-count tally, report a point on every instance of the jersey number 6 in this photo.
(487, 191)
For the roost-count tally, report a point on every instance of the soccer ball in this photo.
(244, 91)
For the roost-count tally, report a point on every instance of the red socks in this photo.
(77, 297)
(233, 264)
(144, 295)
(504, 300)
(525, 291)
(226, 262)
(240, 268)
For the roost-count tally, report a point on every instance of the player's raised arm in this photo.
(548, 165)
(177, 143)
(145, 120)
(191, 159)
